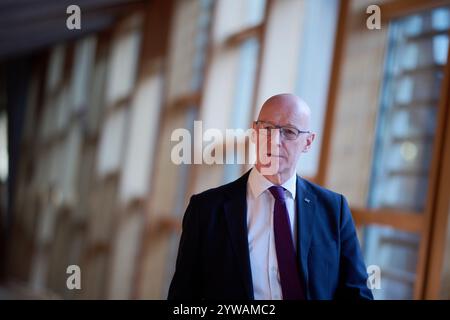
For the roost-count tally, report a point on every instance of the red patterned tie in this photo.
(286, 256)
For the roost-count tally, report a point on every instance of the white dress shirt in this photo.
(263, 257)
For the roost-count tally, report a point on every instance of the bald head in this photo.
(278, 151)
(284, 109)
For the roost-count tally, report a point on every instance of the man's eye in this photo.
(289, 132)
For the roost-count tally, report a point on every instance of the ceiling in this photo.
(27, 26)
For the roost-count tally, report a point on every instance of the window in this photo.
(82, 71)
(122, 71)
(97, 94)
(188, 46)
(314, 70)
(126, 247)
(186, 59)
(416, 57)
(235, 16)
(55, 68)
(111, 143)
(122, 66)
(396, 254)
(404, 149)
(144, 126)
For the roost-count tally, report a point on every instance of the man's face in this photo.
(276, 154)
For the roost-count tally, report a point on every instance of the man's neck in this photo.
(278, 178)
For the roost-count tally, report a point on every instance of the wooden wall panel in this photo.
(357, 102)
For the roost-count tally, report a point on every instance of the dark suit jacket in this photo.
(213, 257)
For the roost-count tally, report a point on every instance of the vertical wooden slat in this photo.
(154, 48)
(434, 174)
(339, 46)
(434, 249)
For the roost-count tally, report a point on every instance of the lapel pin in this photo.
(307, 200)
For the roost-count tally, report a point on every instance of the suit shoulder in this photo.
(218, 192)
(320, 191)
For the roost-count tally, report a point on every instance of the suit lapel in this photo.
(236, 216)
(235, 208)
(306, 205)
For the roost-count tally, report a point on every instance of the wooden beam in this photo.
(398, 8)
(435, 250)
(406, 221)
(236, 39)
(188, 100)
(433, 181)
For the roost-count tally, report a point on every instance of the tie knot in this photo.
(277, 192)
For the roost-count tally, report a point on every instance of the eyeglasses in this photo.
(288, 132)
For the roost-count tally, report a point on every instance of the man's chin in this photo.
(272, 168)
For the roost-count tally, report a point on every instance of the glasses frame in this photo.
(282, 128)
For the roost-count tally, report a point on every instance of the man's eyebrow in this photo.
(283, 125)
(289, 125)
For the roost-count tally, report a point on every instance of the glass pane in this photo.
(125, 249)
(395, 253)
(82, 71)
(201, 42)
(314, 70)
(55, 67)
(62, 109)
(123, 65)
(416, 58)
(189, 40)
(111, 142)
(144, 117)
(70, 163)
(234, 16)
(96, 99)
(245, 82)
(242, 106)
(282, 53)
(231, 77)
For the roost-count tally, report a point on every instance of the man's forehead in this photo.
(285, 103)
(285, 110)
(281, 112)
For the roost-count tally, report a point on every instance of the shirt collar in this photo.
(258, 183)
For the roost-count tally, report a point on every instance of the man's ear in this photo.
(309, 141)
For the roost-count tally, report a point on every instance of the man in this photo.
(271, 234)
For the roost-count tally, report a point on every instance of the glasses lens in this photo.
(266, 128)
(289, 133)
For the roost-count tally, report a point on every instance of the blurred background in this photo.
(86, 118)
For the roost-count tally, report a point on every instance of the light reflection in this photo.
(408, 151)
